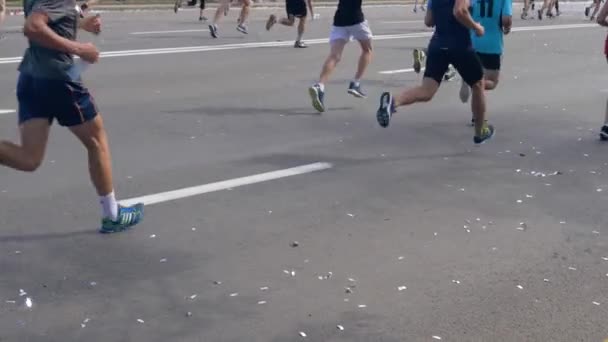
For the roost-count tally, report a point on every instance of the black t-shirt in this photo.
(349, 13)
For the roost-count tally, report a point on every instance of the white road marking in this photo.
(398, 71)
(223, 185)
(403, 22)
(163, 32)
(7, 111)
(205, 48)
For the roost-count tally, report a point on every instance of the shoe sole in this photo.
(488, 138)
(316, 103)
(604, 136)
(383, 118)
(213, 32)
(242, 31)
(356, 94)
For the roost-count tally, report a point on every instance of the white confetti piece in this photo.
(518, 170)
(193, 229)
(215, 282)
(494, 248)
(346, 300)
(352, 280)
(234, 294)
(400, 258)
(193, 296)
(17, 252)
(286, 272)
(401, 288)
(262, 302)
(435, 337)
(163, 260)
(599, 190)
(362, 306)
(152, 236)
(572, 268)
(22, 293)
(341, 328)
(264, 288)
(586, 154)
(435, 234)
(10, 301)
(529, 196)
(605, 258)
(139, 320)
(519, 201)
(462, 189)
(28, 302)
(351, 215)
(293, 273)
(595, 232)
(468, 230)
(562, 222)
(596, 303)
(478, 219)
(455, 281)
(520, 287)
(546, 280)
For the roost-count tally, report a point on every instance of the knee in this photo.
(425, 96)
(31, 163)
(335, 57)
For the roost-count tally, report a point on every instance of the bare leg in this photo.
(29, 155)
(220, 11)
(606, 117)
(335, 54)
(596, 4)
(245, 12)
(2, 10)
(301, 28)
(421, 93)
(491, 78)
(92, 134)
(365, 58)
(478, 106)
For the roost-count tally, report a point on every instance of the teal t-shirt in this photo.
(489, 14)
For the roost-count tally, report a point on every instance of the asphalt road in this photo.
(415, 205)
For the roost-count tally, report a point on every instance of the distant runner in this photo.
(601, 19)
(295, 9)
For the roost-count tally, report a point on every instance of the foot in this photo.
(271, 21)
(587, 9)
(317, 96)
(415, 9)
(592, 18)
(202, 18)
(300, 44)
(213, 30)
(604, 133)
(450, 74)
(355, 90)
(422, 8)
(176, 7)
(487, 132)
(127, 218)
(464, 92)
(549, 14)
(524, 15)
(418, 60)
(386, 109)
(242, 28)
(540, 15)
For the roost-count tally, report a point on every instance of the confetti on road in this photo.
(572, 268)
(436, 337)
(402, 288)
(341, 328)
(261, 302)
(152, 236)
(29, 303)
(302, 334)
(139, 320)
(362, 306)
(163, 260)
(520, 287)
(265, 288)
(455, 281)
(596, 303)
(234, 294)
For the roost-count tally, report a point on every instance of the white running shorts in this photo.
(357, 32)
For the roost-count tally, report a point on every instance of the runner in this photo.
(601, 19)
(489, 47)
(349, 23)
(45, 91)
(450, 44)
(2, 13)
(421, 5)
(596, 7)
(178, 5)
(295, 9)
(547, 6)
(222, 10)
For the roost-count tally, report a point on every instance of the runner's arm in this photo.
(36, 29)
(507, 16)
(462, 14)
(428, 18)
(601, 17)
(312, 12)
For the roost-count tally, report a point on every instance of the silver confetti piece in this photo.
(605, 258)
(400, 258)
(595, 232)
(188, 314)
(193, 229)
(599, 190)
(519, 201)
(350, 279)
(351, 215)
(217, 282)
(294, 244)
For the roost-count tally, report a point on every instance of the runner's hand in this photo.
(91, 24)
(506, 29)
(88, 52)
(479, 30)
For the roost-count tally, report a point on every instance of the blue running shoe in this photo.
(604, 133)
(127, 218)
(317, 96)
(386, 110)
(355, 90)
(487, 132)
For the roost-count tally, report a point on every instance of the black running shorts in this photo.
(489, 61)
(465, 61)
(296, 8)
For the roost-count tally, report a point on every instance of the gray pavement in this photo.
(414, 205)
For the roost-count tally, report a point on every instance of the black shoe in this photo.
(587, 9)
(386, 109)
(213, 31)
(300, 44)
(604, 133)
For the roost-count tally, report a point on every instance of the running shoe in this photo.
(317, 96)
(540, 15)
(418, 59)
(422, 8)
(299, 44)
(487, 132)
(271, 21)
(464, 92)
(242, 28)
(202, 18)
(450, 74)
(127, 218)
(604, 133)
(213, 30)
(355, 90)
(386, 109)
(524, 15)
(415, 9)
(178, 4)
(587, 9)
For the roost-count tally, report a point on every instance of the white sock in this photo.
(109, 206)
(321, 86)
(356, 82)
